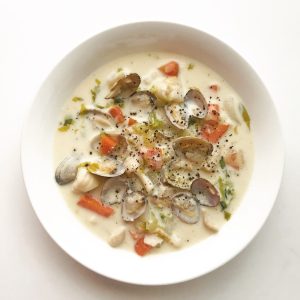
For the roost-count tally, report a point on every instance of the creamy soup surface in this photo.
(153, 152)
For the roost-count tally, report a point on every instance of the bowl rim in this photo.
(280, 162)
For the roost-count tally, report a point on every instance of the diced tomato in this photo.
(170, 69)
(141, 248)
(212, 133)
(213, 114)
(107, 144)
(117, 114)
(95, 205)
(131, 121)
(153, 158)
(214, 87)
(235, 159)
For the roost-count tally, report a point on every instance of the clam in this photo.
(113, 190)
(99, 117)
(205, 192)
(133, 206)
(192, 148)
(196, 104)
(142, 104)
(179, 173)
(178, 116)
(67, 169)
(125, 87)
(185, 207)
(118, 151)
(105, 166)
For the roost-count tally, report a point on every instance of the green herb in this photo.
(119, 101)
(100, 106)
(222, 162)
(154, 122)
(246, 116)
(190, 66)
(227, 215)
(221, 187)
(83, 109)
(64, 128)
(77, 99)
(223, 205)
(66, 125)
(93, 167)
(95, 90)
(227, 192)
(68, 121)
(119, 69)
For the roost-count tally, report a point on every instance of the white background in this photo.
(35, 35)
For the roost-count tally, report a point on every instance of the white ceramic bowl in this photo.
(63, 226)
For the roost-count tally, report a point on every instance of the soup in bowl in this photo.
(147, 146)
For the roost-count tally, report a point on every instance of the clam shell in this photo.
(192, 148)
(196, 104)
(125, 87)
(179, 174)
(178, 116)
(113, 190)
(205, 192)
(133, 206)
(120, 149)
(67, 169)
(105, 166)
(186, 208)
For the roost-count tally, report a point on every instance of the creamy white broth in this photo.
(77, 138)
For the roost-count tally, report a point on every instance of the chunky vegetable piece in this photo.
(131, 121)
(170, 69)
(95, 205)
(141, 248)
(213, 133)
(107, 144)
(234, 159)
(117, 114)
(153, 158)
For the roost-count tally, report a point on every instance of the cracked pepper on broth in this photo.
(153, 152)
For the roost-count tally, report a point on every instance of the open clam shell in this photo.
(179, 174)
(205, 192)
(178, 116)
(192, 148)
(118, 152)
(133, 206)
(67, 169)
(105, 166)
(186, 208)
(114, 190)
(141, 103)
(195, 103)
(125, 87)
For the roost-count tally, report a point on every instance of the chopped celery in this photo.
(222, 162)
(83, 109)
(246, 116)
(96, 89)
(119, 101)
(190, 66)
(227, 192)
(77, 99)
(154, 122)
(227, 215)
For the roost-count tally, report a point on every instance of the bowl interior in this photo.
(79, 242)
